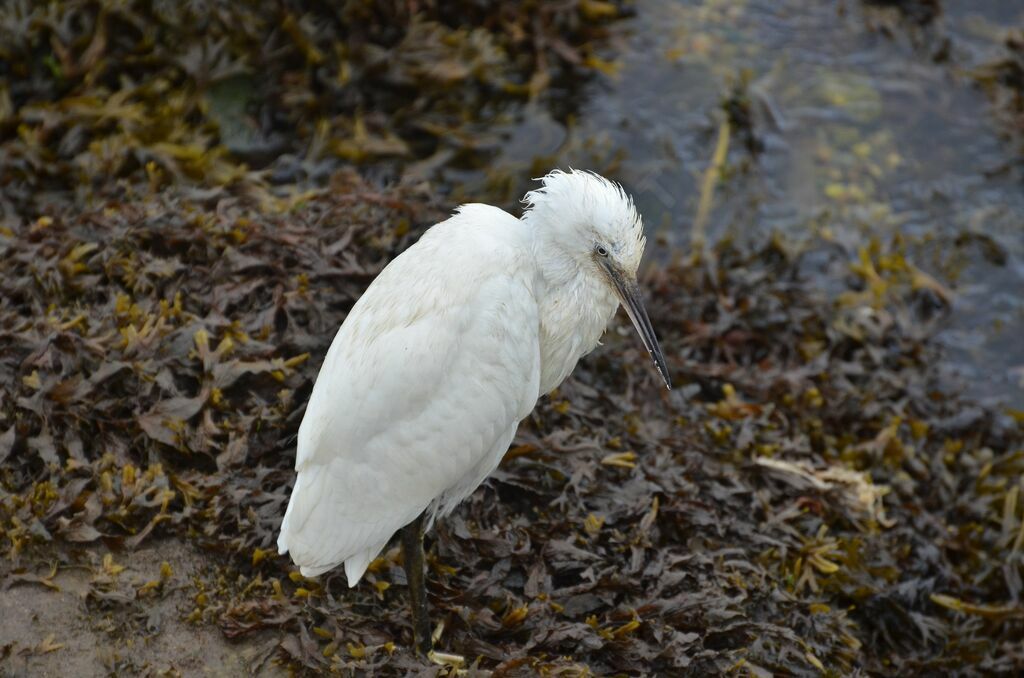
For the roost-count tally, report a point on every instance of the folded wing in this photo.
(422, 387)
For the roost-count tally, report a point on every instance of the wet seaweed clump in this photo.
(1003, 82)
(920, 12)
(739, 106)
(95, 94)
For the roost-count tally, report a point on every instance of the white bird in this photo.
(448, 349)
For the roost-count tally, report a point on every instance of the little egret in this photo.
(448, 349)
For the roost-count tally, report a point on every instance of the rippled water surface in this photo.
(865, 124)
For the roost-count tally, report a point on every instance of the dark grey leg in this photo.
(412, 555)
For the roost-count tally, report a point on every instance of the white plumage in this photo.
(450, 347)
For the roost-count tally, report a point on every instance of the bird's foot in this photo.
(456, 661)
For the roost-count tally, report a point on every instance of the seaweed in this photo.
(95, 94)
(812, 497)
(1002, 79)
(920, 12)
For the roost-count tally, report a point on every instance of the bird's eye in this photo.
(602, 251)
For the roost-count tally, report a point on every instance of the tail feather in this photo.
(355, 567)
(320, 532)
(303, 531)
(318, 541)
(288, 528)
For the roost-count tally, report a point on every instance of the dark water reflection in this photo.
(865, 134)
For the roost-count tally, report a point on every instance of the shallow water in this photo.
(864, 133)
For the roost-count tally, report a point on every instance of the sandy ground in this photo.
(71, 632)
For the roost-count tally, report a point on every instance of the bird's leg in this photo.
(412, 555)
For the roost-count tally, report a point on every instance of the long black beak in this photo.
(632, 301)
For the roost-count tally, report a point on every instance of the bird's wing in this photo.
(435, 364)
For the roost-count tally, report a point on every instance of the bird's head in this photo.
(588, 225)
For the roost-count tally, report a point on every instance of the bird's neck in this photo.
(575, 309)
